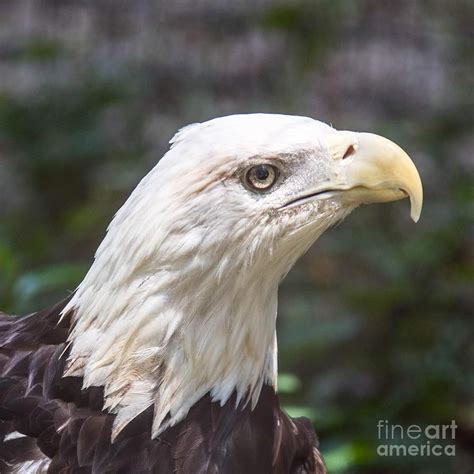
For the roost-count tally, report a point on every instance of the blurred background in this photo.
(376, 320)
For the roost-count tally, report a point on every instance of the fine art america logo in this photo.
(416, 440)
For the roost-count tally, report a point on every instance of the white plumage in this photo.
(181, 299)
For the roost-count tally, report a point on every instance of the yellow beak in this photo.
(374, 169)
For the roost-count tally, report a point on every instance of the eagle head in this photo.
(181, 299)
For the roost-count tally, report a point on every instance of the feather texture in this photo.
(49, 423)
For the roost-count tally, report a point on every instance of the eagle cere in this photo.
(164, 359)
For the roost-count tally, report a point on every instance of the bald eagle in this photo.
(164, 359)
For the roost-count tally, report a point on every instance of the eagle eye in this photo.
(261, 177)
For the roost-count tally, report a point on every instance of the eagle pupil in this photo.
(261, 173)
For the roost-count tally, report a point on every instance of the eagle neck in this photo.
(168, 338)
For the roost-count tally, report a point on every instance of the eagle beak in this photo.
(374, 169)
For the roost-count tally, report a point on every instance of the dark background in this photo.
(376, 320)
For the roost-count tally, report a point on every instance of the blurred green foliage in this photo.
(376, 320)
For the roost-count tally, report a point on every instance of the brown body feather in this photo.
(65, 424)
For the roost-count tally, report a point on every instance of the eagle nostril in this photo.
(350, 151)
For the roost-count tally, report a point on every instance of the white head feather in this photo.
(181, 299)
